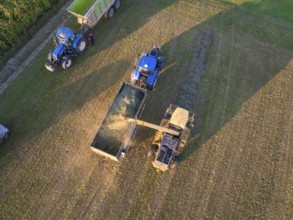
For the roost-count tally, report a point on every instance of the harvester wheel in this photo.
(50, 57)
(167, 116)
(117, 4)
(189, 125)
(175, 163)
(110, 13)
(66, 64)
(151, 150)
(81, 45)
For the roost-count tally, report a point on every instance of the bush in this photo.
(17, 17)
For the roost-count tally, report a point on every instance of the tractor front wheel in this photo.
(66, 64)
(81, 45)
(50, 57)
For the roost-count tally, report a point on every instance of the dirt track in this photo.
(238, 162)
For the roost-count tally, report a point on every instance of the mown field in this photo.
(238, 161)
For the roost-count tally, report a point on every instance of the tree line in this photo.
(17, 16)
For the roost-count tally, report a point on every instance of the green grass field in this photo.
(238, 161)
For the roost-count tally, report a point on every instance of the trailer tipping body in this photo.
(115, 132)
(89, 12)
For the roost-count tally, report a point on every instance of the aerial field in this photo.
(230, 61)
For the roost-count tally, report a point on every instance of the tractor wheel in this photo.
(117, 4)
(50, 57)
(110, 13)
(66, 64)
(81, 45)
(175, 163)
(189, 125)
(6, 137)
(160, 63)
(154, 85)
(151, 87)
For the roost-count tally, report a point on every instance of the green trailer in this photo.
(89, 12)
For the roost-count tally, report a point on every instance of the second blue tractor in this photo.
(146, 72)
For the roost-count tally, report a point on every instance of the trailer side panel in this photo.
(115, 128)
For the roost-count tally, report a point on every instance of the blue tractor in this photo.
(67, 45)
(146, 72)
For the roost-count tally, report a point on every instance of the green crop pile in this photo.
(81, 6)
(16, 18)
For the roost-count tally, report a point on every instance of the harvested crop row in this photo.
(190, 86)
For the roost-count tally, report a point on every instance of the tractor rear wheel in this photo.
(152, 150)
(117, 4)
(50, 57)
(81, 45)
(66, 64)
(154, 85)
(110, 13)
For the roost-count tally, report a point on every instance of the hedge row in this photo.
(17, 16)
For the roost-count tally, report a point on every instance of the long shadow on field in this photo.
(230, 57)
(91, 86)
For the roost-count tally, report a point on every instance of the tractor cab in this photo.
(147, 64)
(65, 36)
(146, 72)
(70, 39)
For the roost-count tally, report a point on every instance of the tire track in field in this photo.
(186, 99)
